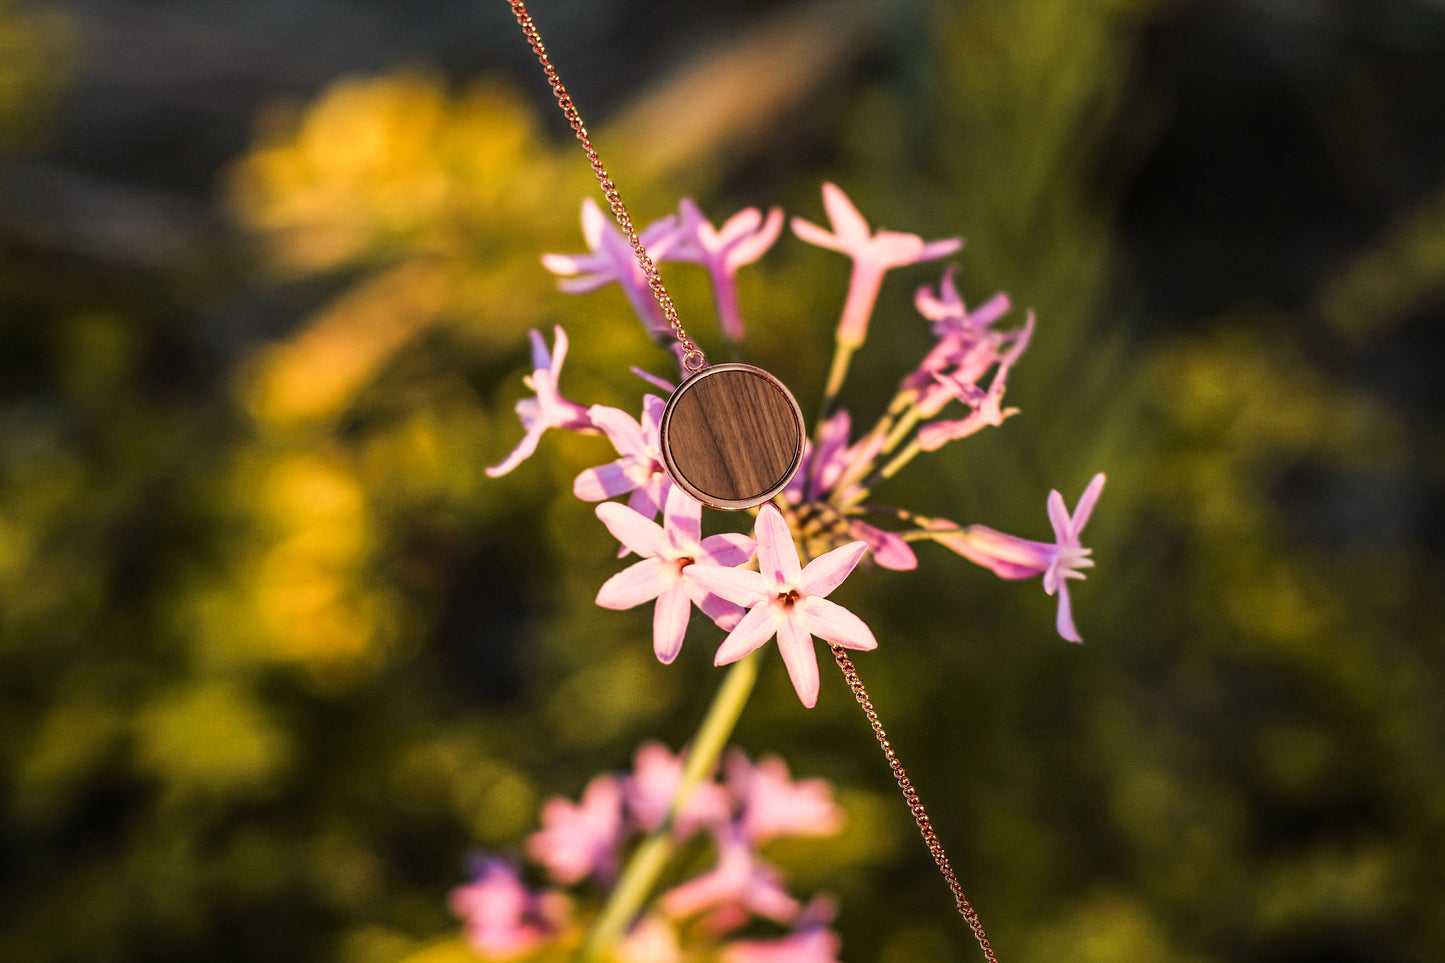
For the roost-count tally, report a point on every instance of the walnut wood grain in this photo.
(732, 436)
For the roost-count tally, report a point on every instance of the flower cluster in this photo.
(955, 390)
(739, 908)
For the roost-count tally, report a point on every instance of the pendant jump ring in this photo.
(693, 360)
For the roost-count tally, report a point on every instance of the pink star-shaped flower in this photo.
(967, 344)
(672, 554)
(502, 919)
(872, 254)
(987, 410)
(1008, 556)
(639, 470)
(742, 239)
(741, 883)
(773, 805)
(950, 316)
(790, 602)
(825, 463)
(612, 260)
(656, 775)
(578, 840)
(548, 409)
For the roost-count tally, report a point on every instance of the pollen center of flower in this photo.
(789, 598)
(684, 562)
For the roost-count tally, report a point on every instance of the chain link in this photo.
(915, 805)
(692, 358)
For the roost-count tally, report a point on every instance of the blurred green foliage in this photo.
(275, 654)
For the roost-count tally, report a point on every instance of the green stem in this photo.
(842, 357)
(640, 874)
(900, 431)
(888, 471)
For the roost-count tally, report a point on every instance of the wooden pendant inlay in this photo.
(732, 436)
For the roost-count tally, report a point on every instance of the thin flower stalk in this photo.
(640, 876)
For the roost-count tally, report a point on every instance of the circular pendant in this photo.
(732, 436)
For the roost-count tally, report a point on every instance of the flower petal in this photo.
(748, 249)
(755, 629)
(586, 283)
(620, 428)
(639, 582)
(521, 453)
(654, 380)
(813, 234)
(652, 487)
(1085, 507)
(636, 531)
(682, 517)
(1059, 518)
(724, 614)
(894, 249)
(888, 548)
(799, 656)
(541, 358)
(669, 622)
(827, 571)
(937, 249)
(729, 549)
(740, 585)
(831, 622)
(847, 223)
(1064, 622)
(1007, 556)
(594, 224)
(563, 264)
(604, 481)
(777, 555)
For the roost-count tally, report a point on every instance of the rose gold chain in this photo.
(692, 356)
(915, 805)
(693, 360)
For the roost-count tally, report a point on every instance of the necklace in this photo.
(731, 434)
(732, 437)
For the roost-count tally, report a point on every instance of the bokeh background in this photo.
(276, 656)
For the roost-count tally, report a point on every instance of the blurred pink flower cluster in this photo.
(954, 391)
(739, 909)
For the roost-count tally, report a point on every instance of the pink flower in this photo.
(743, 238)
(872, 254)
(773, 805)
(987, 410)
(548, 409)
(639, 470)
(1010, 557)
(889, 549)
(825, 463)
(611, 259)
(790, 602)
(656, 775)
(950, 317)
(814, 944)
(502, 919)
(740, 884)
(578, 840)
(671, 555)
(967, 345)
